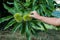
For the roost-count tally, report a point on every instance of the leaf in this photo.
(5, 19)
(9, 24)
(43, 7)
(41, 11)
(33, 32)
(28, 37)
(44, 26)
(34, 5)
(36, 27)
(27, 4)
(11, 10)
(27, 0)
(50, 3)
(16, 5)
(27, 31)
(9, 3)
(50, 26)
(23, 28)
(35, 23)
(34, 2)
(16, 26)
(49, 8)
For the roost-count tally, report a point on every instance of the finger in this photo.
(31, 15)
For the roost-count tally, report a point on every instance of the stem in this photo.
(29, 38)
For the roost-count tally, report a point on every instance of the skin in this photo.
(52, 21)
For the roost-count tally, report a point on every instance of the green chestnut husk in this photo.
(26, 17)
(18, 17)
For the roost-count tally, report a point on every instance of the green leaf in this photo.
(9, 24)
(16, 26)
(43, 7)
(35, 23)
(11, 10)
(23, 28)
(41, 11)
(45, 10)
(49, 8)
(33, 32)
(5, 19)
(43, 26)
(27, 31)
(28, 37)
(50, 2)
(50, 26)
(34, 2)
(47, 2)
(34, 5)
(16, 5)
(27, 4)
(27, 0)
(36, 27)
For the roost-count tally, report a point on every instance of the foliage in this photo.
(20, 16)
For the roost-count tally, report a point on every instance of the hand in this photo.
(34, 14)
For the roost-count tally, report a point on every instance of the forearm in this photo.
(52, 21)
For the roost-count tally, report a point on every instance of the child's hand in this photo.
(34, 14)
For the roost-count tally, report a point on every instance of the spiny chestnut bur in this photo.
(27, 17)
(18, 17)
